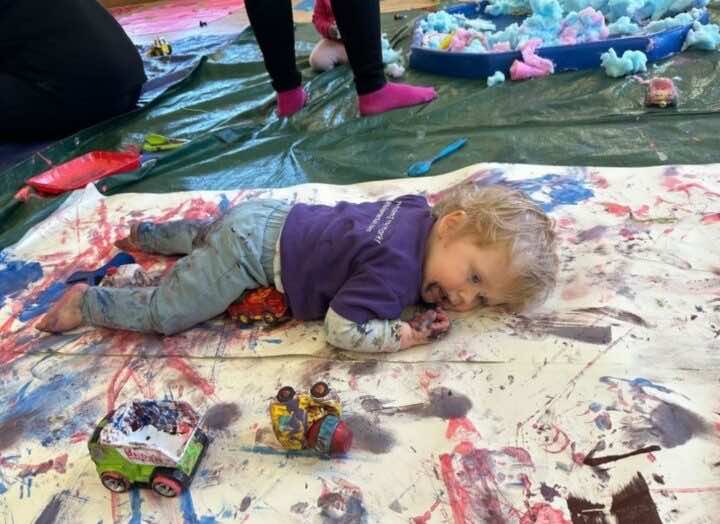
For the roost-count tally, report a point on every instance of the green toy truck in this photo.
(152, 443)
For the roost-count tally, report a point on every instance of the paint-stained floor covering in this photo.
(601, 407)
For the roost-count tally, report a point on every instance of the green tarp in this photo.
(226, 108)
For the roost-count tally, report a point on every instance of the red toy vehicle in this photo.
(661, 92)
(265, 303)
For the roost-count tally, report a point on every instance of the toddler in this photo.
(355, 265)
(329, 51)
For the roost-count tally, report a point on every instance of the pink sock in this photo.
(395, 96)
(290, 102)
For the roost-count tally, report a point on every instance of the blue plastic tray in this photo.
(566, 58)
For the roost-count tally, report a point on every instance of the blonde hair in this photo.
(497, 214)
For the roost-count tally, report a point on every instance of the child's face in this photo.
(459, 275)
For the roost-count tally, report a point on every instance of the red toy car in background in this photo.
(265, 303)
(661, 92)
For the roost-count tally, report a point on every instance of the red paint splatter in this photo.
(525, 481)
(426, 516)
(711, 218)
(519, 454)
(642, 210)
(558, 443)
(117, 382)
(426, 379)
(353, 383)
(544, 513)
(58, 464)
(566, 222)
(193, 209)
(599, 181)
(469, 478)
(672, 183)
(455, 424)
(627, 233)
(190, 374)
(80, 436)
(651, 457)
(616, 209)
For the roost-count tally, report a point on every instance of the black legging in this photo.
(359, 25)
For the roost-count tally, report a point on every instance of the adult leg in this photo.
(359, 25)
(273, 27)
(30, 112)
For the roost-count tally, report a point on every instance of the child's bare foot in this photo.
(66, 313)
(130, 242)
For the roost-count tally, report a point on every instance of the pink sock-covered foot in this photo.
(290, 102)
(395, 96)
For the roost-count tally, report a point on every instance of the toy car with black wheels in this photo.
(265, 303)
(661, 92)
(152, 443)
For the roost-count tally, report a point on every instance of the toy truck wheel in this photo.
(166, 486)
(269, 318)
(319, 389)
(285, 394)
(115, 482)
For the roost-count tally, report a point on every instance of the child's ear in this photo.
(452, 223)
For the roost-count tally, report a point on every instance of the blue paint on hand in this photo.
(42, 303)
(16, 275)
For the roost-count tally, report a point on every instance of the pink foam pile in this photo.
(172, 15)
(532, 65)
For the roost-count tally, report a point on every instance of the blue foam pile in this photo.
(629, 63)
(705, 37)
(497, 78)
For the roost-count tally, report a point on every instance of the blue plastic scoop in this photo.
(423, 166)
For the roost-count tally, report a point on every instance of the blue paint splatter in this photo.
(645, 383)
(135, 503)
(548, 191)
(43, 301)
(32, 403)
(638, 382)
(3, 488)
(224, 203)
(188, 510)
(595, 407)
(602, 421)
(16, 275)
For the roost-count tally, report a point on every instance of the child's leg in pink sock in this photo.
(290, 102)
(394, 96)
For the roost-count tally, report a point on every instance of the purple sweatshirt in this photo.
(362, 260)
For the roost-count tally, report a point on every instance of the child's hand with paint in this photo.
(424, 328)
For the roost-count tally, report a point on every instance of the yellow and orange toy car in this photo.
(310, 420)
(264, 303)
